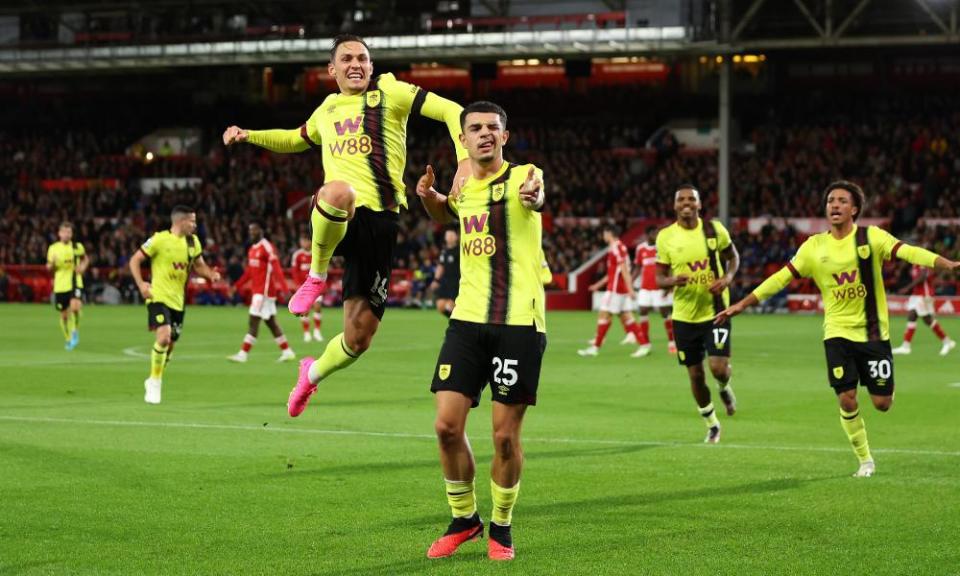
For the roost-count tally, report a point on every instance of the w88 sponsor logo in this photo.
(485, 245)
(351, 146)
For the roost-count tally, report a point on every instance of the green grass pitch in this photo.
(218, 480)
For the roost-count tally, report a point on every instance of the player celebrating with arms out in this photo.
(698, 260)
(68, 260)
(361, 132)
(300, 269)
(846, 263)
(265, 277)
(173, 254)
(497, 332)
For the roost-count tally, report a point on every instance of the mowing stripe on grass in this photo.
(546, 440)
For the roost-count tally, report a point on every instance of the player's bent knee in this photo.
(883, 403)
(338, 194)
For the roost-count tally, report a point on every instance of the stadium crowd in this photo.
(597, 170)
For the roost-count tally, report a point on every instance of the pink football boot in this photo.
(300, 395)
(306, 295)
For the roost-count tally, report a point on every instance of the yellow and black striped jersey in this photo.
(65, 257)
(171, 258)
(363, 138)
(849, 274)
(687, 253)
(501, 256)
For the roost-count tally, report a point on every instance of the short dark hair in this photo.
(650, 229)
(258, 222)
(66, 224)
(687, 186)
(179, 211)
(343, 38)
(611, 228)
(483, 106)
(859, 198)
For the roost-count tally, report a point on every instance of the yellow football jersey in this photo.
(363, 138)
(850, 280)
(501, 257)
(171, 258)
(686, 252)
(65, 257)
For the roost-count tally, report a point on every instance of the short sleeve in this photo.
(453, 205)
(51, 253)
(883, 242)
(399, 93)
(801, 265)
(723, 236)
(663, 256)
(150, 247)
(81, 251)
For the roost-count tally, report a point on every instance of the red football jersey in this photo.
(924, 288)
(300, 265)
(617, 259)
(263, 272)
(646, 258)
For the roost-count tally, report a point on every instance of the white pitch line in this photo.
(547, 440)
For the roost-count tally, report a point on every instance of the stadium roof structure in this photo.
(706, 27)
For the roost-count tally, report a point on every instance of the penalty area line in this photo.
(374, 434)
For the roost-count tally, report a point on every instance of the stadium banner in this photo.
(897, 305)
(153, 185)
(78, 184)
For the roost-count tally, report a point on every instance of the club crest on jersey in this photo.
(498, 191)
(712, 243)
(444, 371)
(838, 372)
(863, 252)
(373, 98)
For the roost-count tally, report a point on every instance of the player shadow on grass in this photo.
(618, 502)
(483, 455)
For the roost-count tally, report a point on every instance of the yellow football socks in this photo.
(461, 497)
(65, 327)
(329, 227)
(856, 431)
(503, 501)
(709, 415)
(158, 359)
(336, 356)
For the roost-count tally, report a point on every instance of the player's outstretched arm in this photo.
(447, 111)
(201, 267)
(136, 261)
(282, 141)
(942, 263)
(433, 202)
(734, 309)
(775, 283)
